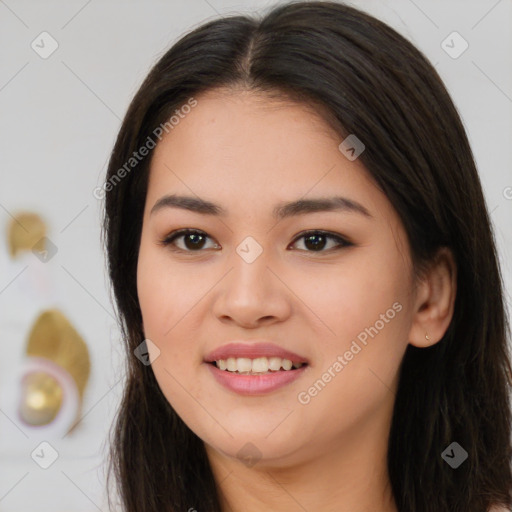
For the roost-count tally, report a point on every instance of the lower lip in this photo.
(255, 384)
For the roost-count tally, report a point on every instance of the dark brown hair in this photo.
(378, 86)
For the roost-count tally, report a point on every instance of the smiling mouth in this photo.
(256, 366)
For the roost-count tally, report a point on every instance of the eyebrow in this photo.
(281, 210)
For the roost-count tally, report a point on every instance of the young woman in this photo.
(306, 278)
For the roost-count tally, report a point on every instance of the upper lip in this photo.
(253, 350)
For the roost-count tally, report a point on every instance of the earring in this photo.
(427, 337)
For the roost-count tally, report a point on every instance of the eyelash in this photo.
(169, 239)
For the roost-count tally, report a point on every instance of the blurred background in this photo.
(68, 72)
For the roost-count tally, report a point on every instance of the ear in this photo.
(435, 300)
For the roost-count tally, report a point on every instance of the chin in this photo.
(257, 446)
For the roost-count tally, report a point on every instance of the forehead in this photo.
(250, 141)
(227, 121)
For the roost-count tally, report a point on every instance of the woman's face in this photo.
(263, 279)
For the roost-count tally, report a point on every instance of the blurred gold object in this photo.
(54, 338)
(26, 232)
(42, 399)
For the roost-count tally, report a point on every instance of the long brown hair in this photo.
(377, 85)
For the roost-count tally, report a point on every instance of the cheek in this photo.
(355, 294)
(166, 293)
(167, 297)
(152, 301)
(365, 320)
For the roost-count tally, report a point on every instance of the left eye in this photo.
(317, 240)
(194, 240)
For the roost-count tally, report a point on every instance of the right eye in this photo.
(193, 240)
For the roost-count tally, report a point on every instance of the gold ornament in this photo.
(54, 338)
(42, 398)
(26, 232)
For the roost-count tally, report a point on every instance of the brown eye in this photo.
(193, 240)
(316, 241)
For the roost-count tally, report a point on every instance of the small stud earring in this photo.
(427, 337)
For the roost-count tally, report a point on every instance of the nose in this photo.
(252, 294)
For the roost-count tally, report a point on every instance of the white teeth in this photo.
(243, 364)
(258, 365)
(287, 364)
(275, 363)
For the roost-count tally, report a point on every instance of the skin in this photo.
(247, 153)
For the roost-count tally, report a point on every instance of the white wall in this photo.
(58, 120)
